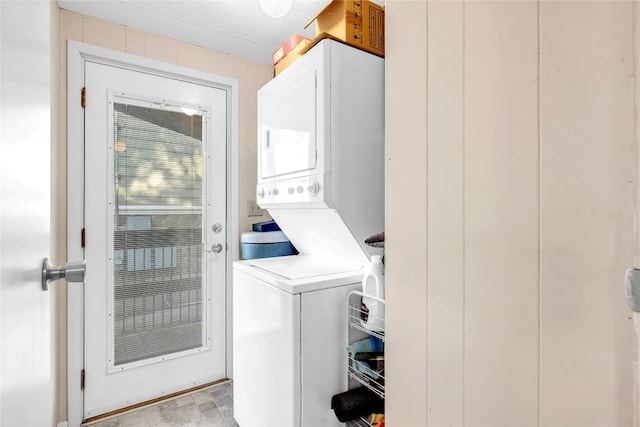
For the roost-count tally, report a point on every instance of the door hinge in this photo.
(83, 97)
(82, 238)
(82, 380)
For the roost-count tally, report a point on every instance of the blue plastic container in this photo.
(265, 244)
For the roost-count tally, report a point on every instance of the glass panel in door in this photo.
(158, 274)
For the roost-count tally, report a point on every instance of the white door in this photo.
(25, 142)
(155, 248)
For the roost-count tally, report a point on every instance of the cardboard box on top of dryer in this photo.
(359, 23)
(292, 56)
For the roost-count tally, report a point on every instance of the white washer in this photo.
(288, 333)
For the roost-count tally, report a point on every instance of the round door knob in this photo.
(217, 248)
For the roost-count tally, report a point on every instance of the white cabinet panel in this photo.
(501, 213)
(587, 184)
(445, 219)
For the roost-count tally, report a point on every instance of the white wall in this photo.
(510, 172)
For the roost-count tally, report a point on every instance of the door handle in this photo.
(72, 271)
(217, 248)
(632, 288)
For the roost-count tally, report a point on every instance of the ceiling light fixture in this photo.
(276, 8)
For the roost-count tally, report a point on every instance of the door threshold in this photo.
(151, 402)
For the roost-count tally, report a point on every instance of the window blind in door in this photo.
(157, 241)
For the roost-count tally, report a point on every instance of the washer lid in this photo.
(296, 274)
(301, 267)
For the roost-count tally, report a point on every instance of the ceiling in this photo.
(237, 27)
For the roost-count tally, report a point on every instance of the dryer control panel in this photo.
(310, 191)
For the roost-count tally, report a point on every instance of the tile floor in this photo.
(212, 406)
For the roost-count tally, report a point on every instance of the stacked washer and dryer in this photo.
(321, 177)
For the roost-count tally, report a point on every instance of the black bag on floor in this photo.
(356, 403)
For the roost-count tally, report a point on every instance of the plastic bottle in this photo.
(373, 286)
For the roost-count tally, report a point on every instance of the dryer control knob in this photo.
(314, 188)
(275, 191)
(291, 190)
(261, 193)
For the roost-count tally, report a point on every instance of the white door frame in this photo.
(77, 55)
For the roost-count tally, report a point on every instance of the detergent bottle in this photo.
(372, 314)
